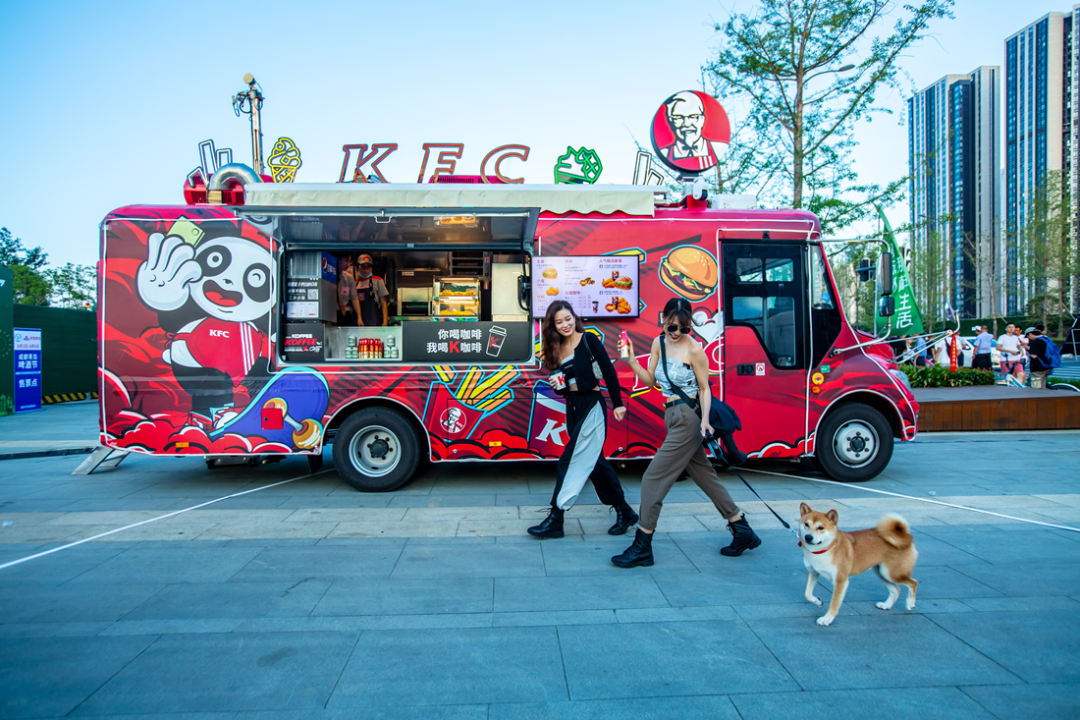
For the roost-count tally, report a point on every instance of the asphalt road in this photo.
(310, 600)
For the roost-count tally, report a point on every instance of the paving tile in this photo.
(716, 707)
(483, 665)
(742, 585)
(389, 712)
(53, 629)
(552, 617)
(179, 562)
(593, 556)
(680, 614)
(193, 601)
(788, 610)
(925, 606)
(231, 671)
(442, 501)
(322, 562)
(1040, 647)
(923, 703)
(422, 596)
(50, 676)
(77, 601)
(676, 658)
(841, 656)
(366, 622)
(1017, 545)
(579, 593)
(63, 565)
(172, 627)
(469, 560)
(1027, 579)
(1028, 702)
(1023, 604)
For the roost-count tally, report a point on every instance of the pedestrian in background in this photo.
(1040, 363)
(984, 345)
(1009, 347)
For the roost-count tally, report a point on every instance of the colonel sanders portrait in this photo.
(684, 129)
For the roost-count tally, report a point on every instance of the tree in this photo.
(73, 286)
(31, 284)
(929, 273)
(767, 59)
(1046, 262)
(981, 252)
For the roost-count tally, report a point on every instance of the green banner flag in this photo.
(907, 320)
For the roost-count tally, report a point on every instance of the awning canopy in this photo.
(459, 198)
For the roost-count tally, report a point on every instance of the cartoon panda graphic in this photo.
(212, 297)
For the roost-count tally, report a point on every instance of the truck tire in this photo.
(376, 450)
(854, 443)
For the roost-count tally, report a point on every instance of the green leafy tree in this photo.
(73, 286)
(1045, 254)
(803, 133)
(31, 284)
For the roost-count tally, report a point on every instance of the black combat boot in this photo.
(745, 539)
(551, 527)
(640, 553)
(626, 518)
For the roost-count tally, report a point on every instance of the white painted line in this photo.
(854, 486)
(155, 519)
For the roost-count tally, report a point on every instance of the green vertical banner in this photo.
(907, 320)
(7, 342)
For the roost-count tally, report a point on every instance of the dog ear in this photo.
(804, 509)
(832, 516)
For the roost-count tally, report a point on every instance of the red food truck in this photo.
(221, 333)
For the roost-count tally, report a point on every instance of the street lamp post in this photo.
(250, 102)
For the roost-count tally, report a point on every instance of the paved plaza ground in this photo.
(311, 600)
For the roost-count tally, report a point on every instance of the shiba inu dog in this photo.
(838, 555)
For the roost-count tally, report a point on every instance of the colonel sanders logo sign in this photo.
(685, 128)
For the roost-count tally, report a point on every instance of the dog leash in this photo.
(718, 453)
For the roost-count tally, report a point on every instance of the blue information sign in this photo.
(27, 369)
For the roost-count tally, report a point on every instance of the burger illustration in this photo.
(624, 283)
(691, 272)
(550, 273)
(552, 290)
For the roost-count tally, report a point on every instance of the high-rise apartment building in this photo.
(953, 155)
(1041, 137)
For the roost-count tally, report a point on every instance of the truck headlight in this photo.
(903, 378)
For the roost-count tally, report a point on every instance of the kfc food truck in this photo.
(221, 333)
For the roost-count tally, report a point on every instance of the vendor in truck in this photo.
(371, 294)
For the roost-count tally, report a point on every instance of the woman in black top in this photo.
(570, 354)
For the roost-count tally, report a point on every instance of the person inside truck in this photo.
(684, 381)
(371, 294)
(348, 304)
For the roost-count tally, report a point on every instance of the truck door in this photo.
(765, 344)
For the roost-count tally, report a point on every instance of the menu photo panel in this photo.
(596, 286)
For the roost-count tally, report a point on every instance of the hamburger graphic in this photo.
(691, 272)
(624, 283)
(550, 273)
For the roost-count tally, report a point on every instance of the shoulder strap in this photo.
(678, 390)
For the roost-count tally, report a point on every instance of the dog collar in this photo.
(817, 552)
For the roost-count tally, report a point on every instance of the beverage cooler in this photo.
(311, 286)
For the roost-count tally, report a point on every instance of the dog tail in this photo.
(895, 530)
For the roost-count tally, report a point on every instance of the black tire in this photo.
(376, 450)
(854, 443)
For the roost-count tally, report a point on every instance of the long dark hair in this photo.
(550, 336)
(679, 310)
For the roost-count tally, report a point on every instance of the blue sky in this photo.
(104, 104)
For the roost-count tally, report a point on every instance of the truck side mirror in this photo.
(887, 306)
(884, 274)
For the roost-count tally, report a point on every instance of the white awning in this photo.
(559, 199)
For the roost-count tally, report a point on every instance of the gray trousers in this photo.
(681, 451)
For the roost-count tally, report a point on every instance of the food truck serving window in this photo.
(412, 290)
(596, 286)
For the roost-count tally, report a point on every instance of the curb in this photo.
(47, 453)
(67, 397)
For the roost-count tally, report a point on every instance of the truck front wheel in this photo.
(376, 450)
(854, 443)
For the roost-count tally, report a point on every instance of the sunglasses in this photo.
(685, 329)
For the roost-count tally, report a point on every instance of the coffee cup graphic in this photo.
(496, 336)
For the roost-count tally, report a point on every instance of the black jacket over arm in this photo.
(583, 374)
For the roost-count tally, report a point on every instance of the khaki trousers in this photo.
(681, 451)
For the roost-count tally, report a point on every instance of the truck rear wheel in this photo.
(854, 443)
(376, 450)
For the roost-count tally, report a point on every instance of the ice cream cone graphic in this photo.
(284, 160)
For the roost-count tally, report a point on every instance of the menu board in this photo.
(596, 286)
